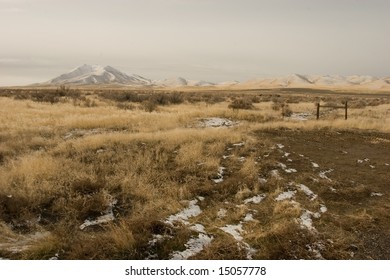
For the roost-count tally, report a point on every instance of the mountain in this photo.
(320, 82)
(181, 82)
(98, 75)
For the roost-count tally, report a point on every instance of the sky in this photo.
(212, 40)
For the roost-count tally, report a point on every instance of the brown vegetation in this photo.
(96, 174)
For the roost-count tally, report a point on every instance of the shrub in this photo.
(149, 105)
(286, 111)
(125, 106)
(245, 104)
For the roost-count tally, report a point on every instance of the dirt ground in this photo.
(359, 175)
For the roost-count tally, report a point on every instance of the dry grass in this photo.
(67, 161)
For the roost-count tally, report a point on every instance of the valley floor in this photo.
(94, 178)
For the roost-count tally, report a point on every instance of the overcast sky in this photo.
(214, 40)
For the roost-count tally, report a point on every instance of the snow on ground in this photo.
(306, 218)
(216, 122)
(323, 175)
(307, 191)
(315, 165)
(316, 249)
(248, 218)
(107, 217)
(156, 239)
(306, 222)
(280, 146)
(256, 199)
(199, 228)
(299, 116)
(241, 159)
(287, 170)
(192, 210)
(290, 170)
(221, 213)
(194, 246)
(323, 208)
(235, 231)
(239, 144)
(275, 173)
(286, 195)
(262, 181)
(219, 175)
(376, 194)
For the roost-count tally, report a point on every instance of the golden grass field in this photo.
(115, 174)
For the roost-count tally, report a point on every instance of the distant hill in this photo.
(320, 82)
(99, 75)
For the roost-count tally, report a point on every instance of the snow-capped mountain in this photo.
(181, 82)
(97, 75)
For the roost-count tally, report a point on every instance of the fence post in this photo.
(318, 110)
(346, 109)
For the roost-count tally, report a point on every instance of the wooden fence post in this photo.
(318, 110)
(346, 109)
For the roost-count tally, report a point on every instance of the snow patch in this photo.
(307, 191)
(323, 208)
(286, 195)
(221, 213)
(306, 221)
(275, 173)
(107, 217)
(290, 170)
(287, 170)
(199, 228)
(219, 178)
(192, 210)
(262, 181)
(194, 246)
(315, 165)
(306, 218)
(256, 199)
(323, 175)
(299, 116)
(235, 231)
(216, 122)
(239, 144)
(249, 218)
(316, 249)
(376, 194)
(280, 146)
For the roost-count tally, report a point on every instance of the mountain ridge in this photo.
(108, 75)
